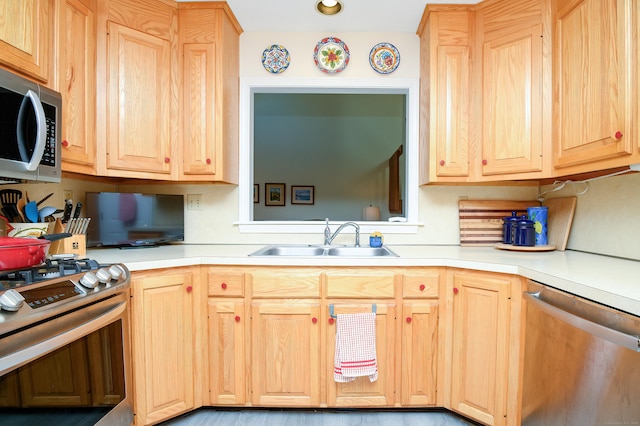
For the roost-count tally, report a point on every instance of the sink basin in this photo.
(311, 250)
(290, 250)
(352, 251)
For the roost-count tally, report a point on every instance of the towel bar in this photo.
(374, 309)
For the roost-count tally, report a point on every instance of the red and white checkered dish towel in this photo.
(355, 347)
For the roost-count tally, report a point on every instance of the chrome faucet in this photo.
(328, 236)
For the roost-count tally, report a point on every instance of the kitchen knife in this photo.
(76, 213)
(67, 211)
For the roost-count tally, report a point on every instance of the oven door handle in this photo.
(614, 336)
(21, 357)
(32, 161)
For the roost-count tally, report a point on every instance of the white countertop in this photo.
(607, 280)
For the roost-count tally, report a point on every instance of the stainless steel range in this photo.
(64, 344)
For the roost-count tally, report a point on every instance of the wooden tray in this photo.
(560, 218)
(503, 246)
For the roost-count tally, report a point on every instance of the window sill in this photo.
(317, 227)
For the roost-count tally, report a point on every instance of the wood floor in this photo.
(210, 416)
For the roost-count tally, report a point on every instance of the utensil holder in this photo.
(75, 244)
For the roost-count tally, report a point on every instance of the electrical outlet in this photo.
(67, 194)
(194, 201)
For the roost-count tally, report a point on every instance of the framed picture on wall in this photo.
(302, 194)
(274, 194)
(256, 193)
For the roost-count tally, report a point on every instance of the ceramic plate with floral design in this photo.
(384, 58)
(275, 59)
(331, 55)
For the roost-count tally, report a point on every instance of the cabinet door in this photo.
(77, 84)
(162, 308)
(419, 363)
(199, 117)
(227, 325)
(139, 104)
(26, 29)
(479, 367)
(512, 103)
(361, 392)
(285, 353)
(452, 138)
(592, 71)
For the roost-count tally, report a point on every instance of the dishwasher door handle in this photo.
(619, 338)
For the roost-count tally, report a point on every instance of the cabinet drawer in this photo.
(360, 285)
(283, 283)
(424, 284)
(229, 284)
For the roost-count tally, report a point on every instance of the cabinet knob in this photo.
(237, 318)
(484, 162)
(422, 287)
(189, 289)
(224, 286)
(455, 290)
(618, 135)
(314, 320)
(167, 160)
(208, 160)
(65, 143)
(442, 162)
(331, 320)
(408, 320)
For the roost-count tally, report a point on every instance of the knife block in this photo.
(75, 244)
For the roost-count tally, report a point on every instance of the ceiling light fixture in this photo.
(329, 7)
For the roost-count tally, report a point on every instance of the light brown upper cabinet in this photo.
(512, 117)
(167, 90)
(209, 44)
(484, 113)
(26, 37)
(595, 84)
(445, 60)
(77, 83)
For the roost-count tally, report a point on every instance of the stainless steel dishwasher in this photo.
(581, 361)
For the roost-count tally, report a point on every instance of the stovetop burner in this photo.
(52, 268)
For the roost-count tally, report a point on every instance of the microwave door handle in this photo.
(31, 164)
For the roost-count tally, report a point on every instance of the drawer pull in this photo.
(237, 318)
(331, 321)
(189, 289)
(455, 290)
(422, 287)
(314, 320)
(224, 286)
(408, 320)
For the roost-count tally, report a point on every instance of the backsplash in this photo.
(606, 220)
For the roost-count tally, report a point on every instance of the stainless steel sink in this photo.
(321, 250)
(352, 251)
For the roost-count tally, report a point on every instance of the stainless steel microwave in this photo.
(30, 120)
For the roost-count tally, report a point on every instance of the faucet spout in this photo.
(329, 237)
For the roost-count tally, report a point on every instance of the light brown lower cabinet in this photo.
(484, 351)
(163, 340)
(446, 337)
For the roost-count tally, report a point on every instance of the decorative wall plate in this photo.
(331, 55)
(275, 59)
(384, 58)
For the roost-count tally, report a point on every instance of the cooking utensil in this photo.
(76, 213)
(31, 211)
(19, 253)
(44, 199)
(22, 202)
(45, 212)
(67, 211)
(10, 196)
